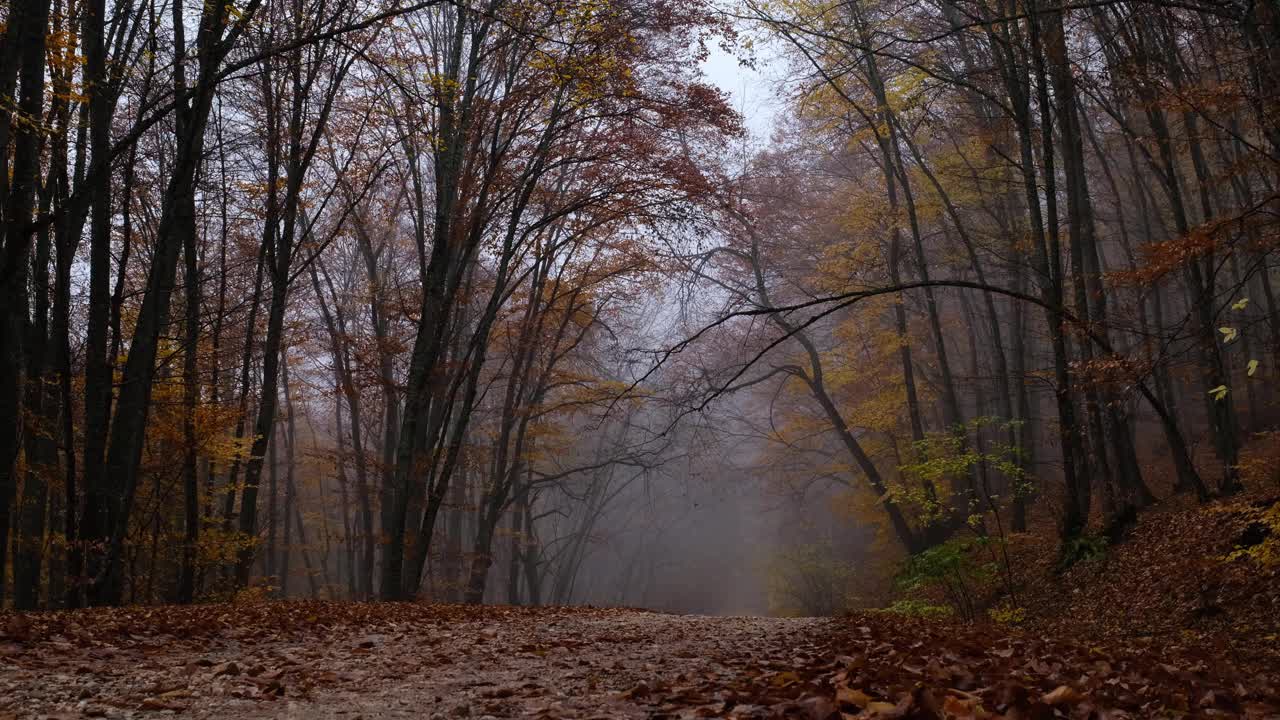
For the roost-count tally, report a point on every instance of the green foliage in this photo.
(922, 498)
(950, 571)
(1082, 548)
(1008, 614)
(941, 562)
(919, 608)
(942, 454)
(951, 454)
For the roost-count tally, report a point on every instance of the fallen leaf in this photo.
(1061, 695)
(851, 696)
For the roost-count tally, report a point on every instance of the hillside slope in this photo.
(1186, 574)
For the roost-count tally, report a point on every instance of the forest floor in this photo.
(328, 660)
(319, 660)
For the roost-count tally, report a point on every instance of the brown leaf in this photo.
(1061, 695)
(880, 709)
(819, 708)
(18, 628)
(639, 692)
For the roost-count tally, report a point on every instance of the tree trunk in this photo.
(190, 399)
(113, 502)
(25, 38)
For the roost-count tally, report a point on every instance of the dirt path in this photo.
(367, 661)
(517, 663)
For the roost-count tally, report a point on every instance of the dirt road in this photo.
(367, 661)
(580, 663)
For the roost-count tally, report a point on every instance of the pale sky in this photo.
(753, 90)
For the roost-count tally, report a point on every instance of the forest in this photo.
(352, 316)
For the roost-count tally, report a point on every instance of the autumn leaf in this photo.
(1061, 695)
(851, 696)
(965, 708)
(784, 679)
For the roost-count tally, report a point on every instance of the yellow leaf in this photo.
(784, 679)
(1228, 334)
(850, 696)
(1253, 367)
(1219, 392)
(1240, 304)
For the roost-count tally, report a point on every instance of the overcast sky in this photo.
(753, 90)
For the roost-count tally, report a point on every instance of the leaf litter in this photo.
(400, 660)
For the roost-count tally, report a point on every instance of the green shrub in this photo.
(1082, 548)
(919, 608)
(1008, 615)
(950, 570)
